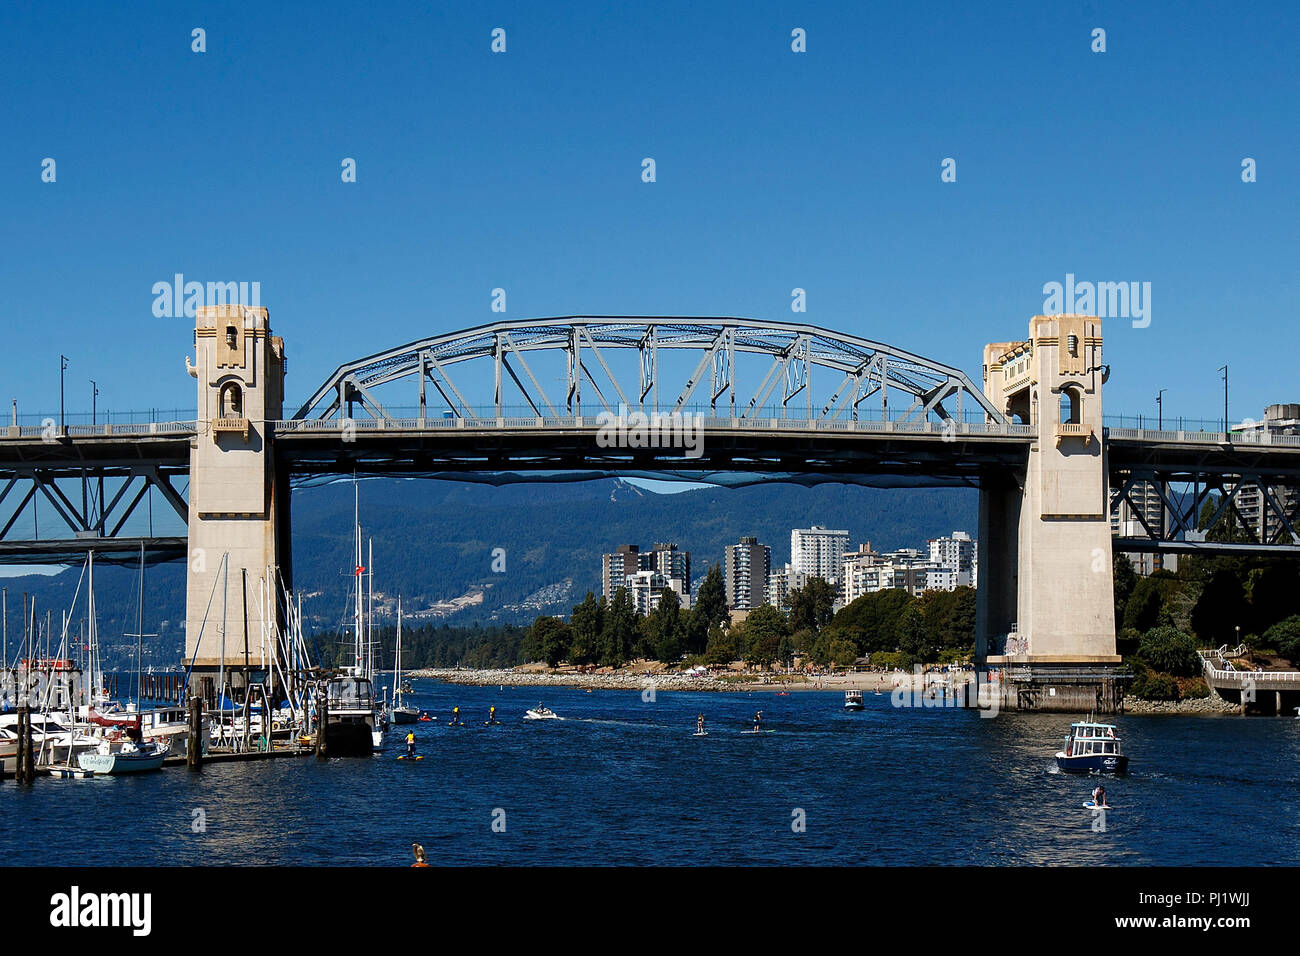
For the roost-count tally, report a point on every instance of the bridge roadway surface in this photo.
(733, 451)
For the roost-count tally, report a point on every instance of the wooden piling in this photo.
(26, 760)
(322, 718)
(20, 754)
(194, 746)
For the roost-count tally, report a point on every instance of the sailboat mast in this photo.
(356, 624)
(139, 638)
(370, 610)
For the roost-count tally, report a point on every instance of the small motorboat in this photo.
(1091, 747)
(541, 713)
(128, 758)
(853, 700)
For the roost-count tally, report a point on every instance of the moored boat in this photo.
(129, 757)
(1092, 747)
(399, 711)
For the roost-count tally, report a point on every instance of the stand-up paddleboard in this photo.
(405, 757)
(491, 723)
(700, 733)
(758, 731)
(1089, 805)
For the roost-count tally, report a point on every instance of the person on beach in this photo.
(410, 744)
(419, 855)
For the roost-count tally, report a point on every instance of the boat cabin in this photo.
(1089, 739)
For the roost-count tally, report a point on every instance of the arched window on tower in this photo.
(1070, 407)
(232, 401)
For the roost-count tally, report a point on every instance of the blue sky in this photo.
(775, 170)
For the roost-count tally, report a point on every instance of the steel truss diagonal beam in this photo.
(99, 515)
(585, 348)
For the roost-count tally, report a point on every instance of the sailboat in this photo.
(352, 727)
(400, 712)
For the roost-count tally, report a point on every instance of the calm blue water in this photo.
(621, 781)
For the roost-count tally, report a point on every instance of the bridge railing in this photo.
(327, 426)
(1231, 673)
(48, 432)
(1199, 437)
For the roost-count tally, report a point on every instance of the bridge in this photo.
(721, 399)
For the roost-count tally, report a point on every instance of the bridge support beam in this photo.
(238, 505)
(1051, 548)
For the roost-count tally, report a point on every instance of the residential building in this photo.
(817, 552)
(745, 573)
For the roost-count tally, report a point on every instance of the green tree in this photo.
(1147, 606)
(710, 609)
(1125, 581)
(875, 617)
(812, 606)
(619, 630)
(1170, 651)
(910, 633)
(553, 638)
(666, 627)
(1274, 593)
(723, 647)
(949, 618)
(1285, 636)
(587, 625)
(764, 628)
(1222, 608)
(785, 651)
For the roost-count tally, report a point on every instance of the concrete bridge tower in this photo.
(239, 508)
(1046, 595)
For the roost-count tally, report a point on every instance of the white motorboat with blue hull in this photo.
(1092, 748)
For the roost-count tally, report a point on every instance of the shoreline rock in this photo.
(1212, 706)
(486, 678)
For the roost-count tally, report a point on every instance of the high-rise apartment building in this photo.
(817, 552)
(745, 573)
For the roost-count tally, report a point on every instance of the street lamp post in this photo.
(1160, 408)
(63, 364)
(94, 396)
(1224, 370)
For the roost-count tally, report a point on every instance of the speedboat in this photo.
(1092, 748)
(853, 700)
(128, 758)
(541, 713)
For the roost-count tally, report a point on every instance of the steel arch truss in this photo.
(780, 359)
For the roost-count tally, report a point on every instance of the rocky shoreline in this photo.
(1213, 705)
(487, 678)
